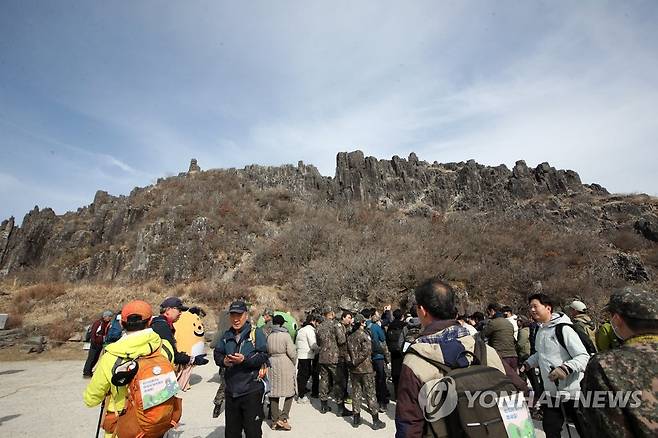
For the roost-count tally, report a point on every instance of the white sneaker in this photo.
(303, 400)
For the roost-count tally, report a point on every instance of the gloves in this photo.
(525, 367)
(559, 373)
(200, 360)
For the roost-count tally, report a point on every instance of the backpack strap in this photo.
(480, 351)
(445, 369)
(559, 334)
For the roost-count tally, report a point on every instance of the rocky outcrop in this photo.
(142, 235)
(194, 167)
(452, 186)
(648, 227)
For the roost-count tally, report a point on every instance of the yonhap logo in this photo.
(438, 398)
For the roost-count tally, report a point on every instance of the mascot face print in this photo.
(189, 331)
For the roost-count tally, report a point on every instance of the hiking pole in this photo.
(100, 418)
(559, 400)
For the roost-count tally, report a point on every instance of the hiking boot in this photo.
(216, 411)
(324, 407)
(356, 420)
(382, 408)
(285, 425)
(343, 411)
(377, 423)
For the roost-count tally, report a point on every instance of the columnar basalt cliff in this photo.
(205, 224)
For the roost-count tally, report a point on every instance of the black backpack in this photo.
(584, 338)
(395, 338)
(476, 421)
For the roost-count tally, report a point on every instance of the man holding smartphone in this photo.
(242, 351)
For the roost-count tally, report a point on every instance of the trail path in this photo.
(44, 399)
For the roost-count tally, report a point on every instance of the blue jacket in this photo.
(242, 379)
(378, 335)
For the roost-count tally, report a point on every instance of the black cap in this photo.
(174, 303)
(237, 307)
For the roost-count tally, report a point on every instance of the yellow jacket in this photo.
(131, 346)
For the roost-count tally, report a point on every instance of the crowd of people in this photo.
(351, 360)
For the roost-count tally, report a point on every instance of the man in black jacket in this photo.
(170, 310)
(242, 352)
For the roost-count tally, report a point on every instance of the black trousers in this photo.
(315, 377)
(304, 372)
(380, 382)
(92, 358)
(342, 375)
(244, 413)
(553, 420)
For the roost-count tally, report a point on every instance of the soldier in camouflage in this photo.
(631, 367)
(330, 337)
(342, 369)
(362, 374)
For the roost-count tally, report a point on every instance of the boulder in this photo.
(648, 227)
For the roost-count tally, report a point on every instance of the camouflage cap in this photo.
(327, 309)
(358, 318)
(634, 302)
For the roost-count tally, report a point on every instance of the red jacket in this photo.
(98, 331)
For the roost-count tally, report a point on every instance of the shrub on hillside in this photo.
(26, 298)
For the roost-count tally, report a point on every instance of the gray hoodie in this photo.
(549, 354)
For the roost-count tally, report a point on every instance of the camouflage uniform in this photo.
(330, 335)
(362, 374)
(342, 368)
(632, 367)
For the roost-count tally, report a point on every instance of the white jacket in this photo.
(306, 342)
(549, 353)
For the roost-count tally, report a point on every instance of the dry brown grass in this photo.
(61, 330)
(30, 296)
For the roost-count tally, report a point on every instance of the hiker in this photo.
(395, 339)
(114, 330)
(523, 341)
(605, 338)
(330, 337)
(170, 310)
(461, 319)
(98, 331)
(561, 366)
(307, 348)
(242, 352)
(631, 367)
(509, 315)
(577, 311)
(478, 321)
(362, 374)
(441, 341)
(380, 357)
(267, 327)
(282, 373)
(499, 333)
(387, 316)
(139, 342)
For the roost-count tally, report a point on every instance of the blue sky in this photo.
(112, 95)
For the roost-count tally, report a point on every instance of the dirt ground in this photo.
(43, 397)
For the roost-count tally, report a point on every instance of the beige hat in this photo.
(578, 306)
